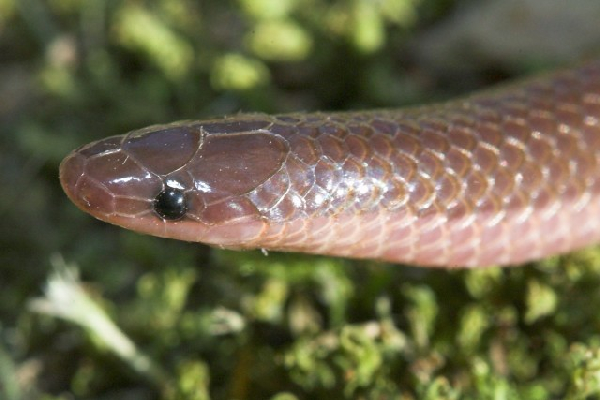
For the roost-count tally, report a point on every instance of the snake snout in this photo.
(70, 170)
(86, 193)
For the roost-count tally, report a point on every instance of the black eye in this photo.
(170, 204)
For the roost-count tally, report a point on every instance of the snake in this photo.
(502, 176)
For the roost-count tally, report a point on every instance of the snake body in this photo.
(496, 178)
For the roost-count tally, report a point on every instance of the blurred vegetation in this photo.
(91, 311)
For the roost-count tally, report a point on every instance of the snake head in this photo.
(186, 180)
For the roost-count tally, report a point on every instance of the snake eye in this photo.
(170, 204)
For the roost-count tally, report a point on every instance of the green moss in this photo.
(141, 30)
(280, 39)
(234, 71)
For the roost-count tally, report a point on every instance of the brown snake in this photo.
(497, 178)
